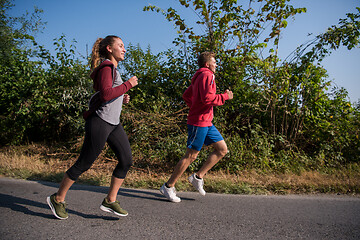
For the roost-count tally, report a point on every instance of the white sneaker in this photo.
(170, 193)
(198, 184)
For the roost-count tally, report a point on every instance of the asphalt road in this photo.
(24, 214)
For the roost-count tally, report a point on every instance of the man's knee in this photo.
(221, 149)
(191, 155)
(222, 152)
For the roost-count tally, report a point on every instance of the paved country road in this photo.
(24, 214)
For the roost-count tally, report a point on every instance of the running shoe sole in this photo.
(106, 209)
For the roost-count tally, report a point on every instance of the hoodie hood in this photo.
(200, 71)
(93, 75)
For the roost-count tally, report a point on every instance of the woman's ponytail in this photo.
(95, 55)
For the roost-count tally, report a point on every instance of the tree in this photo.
(41, 96)
(17, 32)
(282, 96)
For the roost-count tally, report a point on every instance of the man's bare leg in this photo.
(182, 165)
(219, 152)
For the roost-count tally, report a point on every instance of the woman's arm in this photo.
(107, 92)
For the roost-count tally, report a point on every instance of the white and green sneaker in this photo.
(57, 208)
(113, 207)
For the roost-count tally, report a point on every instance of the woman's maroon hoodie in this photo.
(104, 76)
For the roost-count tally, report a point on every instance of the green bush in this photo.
(283, 116)
(42, 100)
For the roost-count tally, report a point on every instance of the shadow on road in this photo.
(22, 205)
(126, 192)
(26, 206)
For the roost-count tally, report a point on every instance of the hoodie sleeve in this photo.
(105, 80)
(207, 90)
(187, 96)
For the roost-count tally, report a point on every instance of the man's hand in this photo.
(229, 93)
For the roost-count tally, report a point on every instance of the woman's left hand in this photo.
(126, 99)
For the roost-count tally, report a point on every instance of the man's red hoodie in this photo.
(201, 97)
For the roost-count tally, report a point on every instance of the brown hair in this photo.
(99, 51)
(204, 58)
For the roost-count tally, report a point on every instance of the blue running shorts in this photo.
(198, 136)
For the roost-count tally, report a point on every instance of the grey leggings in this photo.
(97, 132)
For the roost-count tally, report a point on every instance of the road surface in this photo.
(24, 214)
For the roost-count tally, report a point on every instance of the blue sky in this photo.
(85, 20)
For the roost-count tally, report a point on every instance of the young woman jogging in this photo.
(102, 125)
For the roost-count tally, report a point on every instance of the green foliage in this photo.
(283, 117)
(42, 99)
(17, 32)
(346, 33)
(162, 79)
(288, 100)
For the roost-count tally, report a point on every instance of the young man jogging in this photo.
(200, 97)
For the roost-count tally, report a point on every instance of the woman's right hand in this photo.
(133, 81)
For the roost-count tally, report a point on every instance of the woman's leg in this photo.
(96, 133)
(65, 185)
(114, 188)
(119, 143)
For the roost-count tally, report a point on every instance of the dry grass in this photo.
(37, 162)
